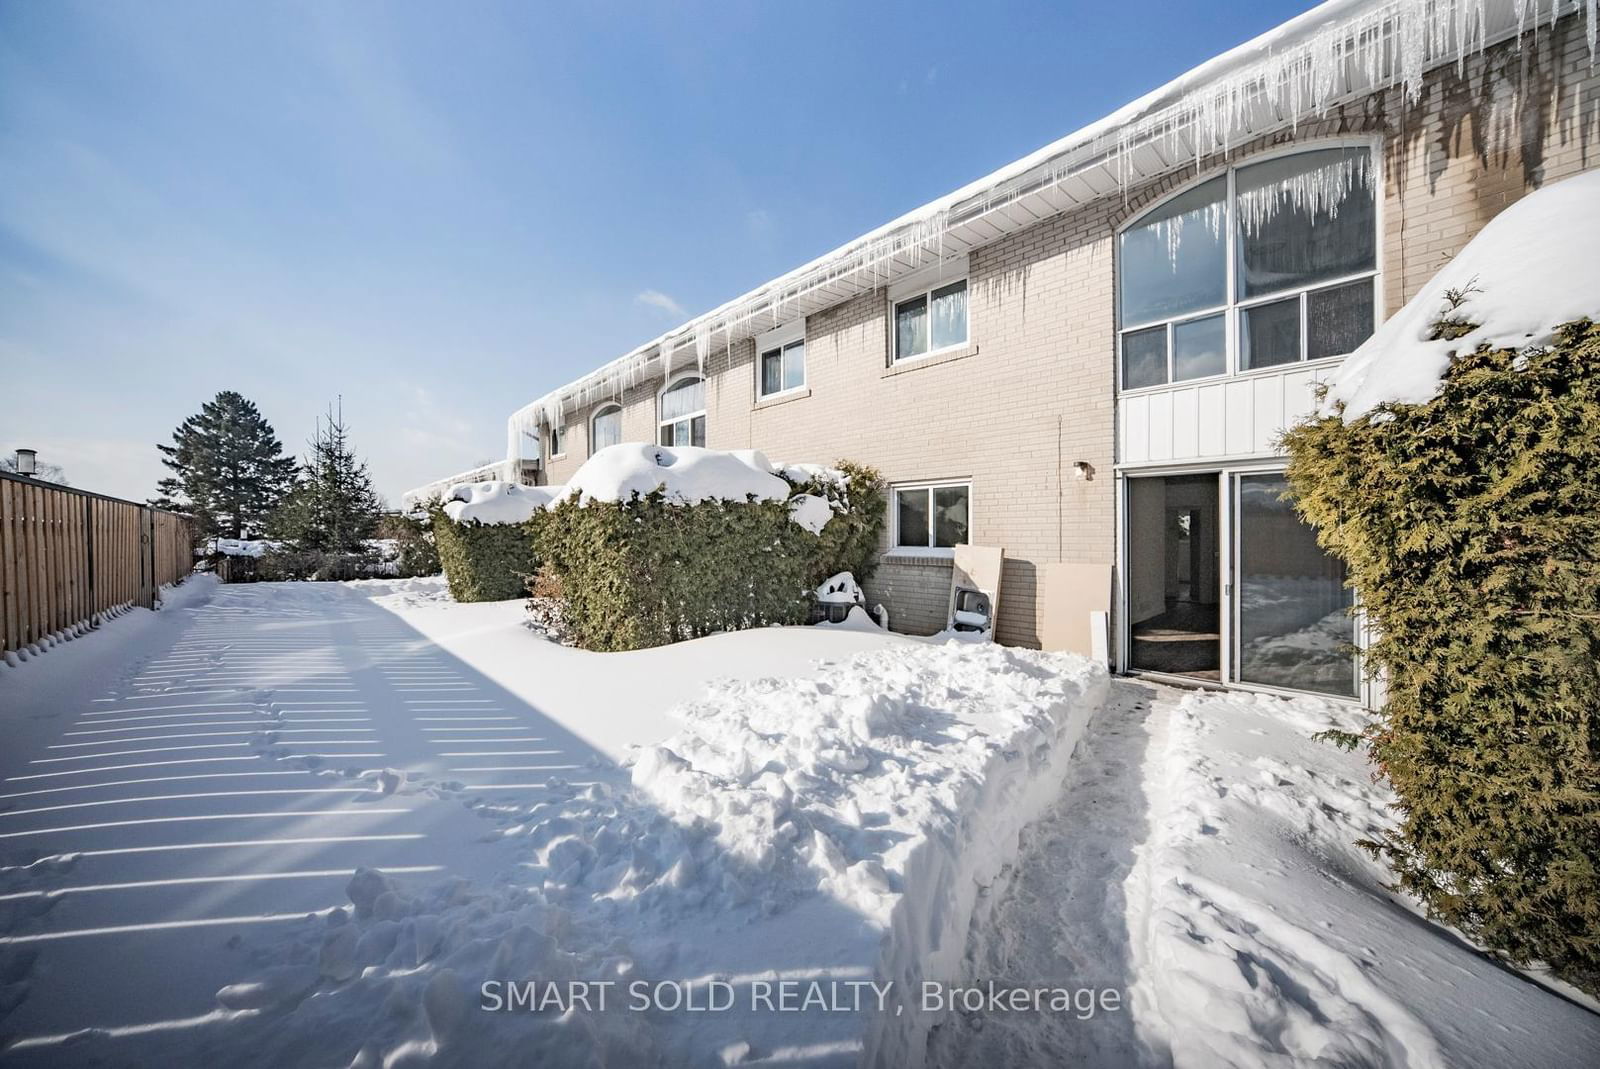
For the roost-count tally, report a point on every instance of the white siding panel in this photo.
(1212, 418)
(1161, 426)
(1185, 435)
(1298, 399)
(1136, 430)
(1240, 430)
(1267, 418)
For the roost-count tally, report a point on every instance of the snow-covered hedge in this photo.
(651, 545)
(483, 561)
(1470, 524)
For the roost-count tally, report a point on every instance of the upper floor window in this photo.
(558, 440)
(781, 363)
(930, 319)
(1270, 263)
(683, 412)
(605, 428)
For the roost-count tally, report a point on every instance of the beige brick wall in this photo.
(1034, 391)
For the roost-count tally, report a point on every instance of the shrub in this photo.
(483, 562)
(1471, 527)
(413, 539)
(849, 543)
(645, 572)
(289, 562)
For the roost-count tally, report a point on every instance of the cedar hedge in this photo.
(483, 562)
(1471, 528)
(645, 572)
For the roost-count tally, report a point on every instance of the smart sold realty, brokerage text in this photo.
(786, 996)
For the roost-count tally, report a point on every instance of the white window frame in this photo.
(604, 410)
(930, 550)
(781, 338)
(687, 417)
(922, 284)
(1232, 309)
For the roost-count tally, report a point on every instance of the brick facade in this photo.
(1034, 390)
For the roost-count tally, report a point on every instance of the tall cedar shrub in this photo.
(1471, 527)
(849, 543)
(482, 561)
(645, 572)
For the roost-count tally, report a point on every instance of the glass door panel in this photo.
(1294, 625)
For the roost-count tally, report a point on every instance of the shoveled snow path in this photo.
(1200, 860)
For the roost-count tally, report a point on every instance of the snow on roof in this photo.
(686, 474)
(497, 502)
(440, 488)
(1337, 51)
(1532, 269)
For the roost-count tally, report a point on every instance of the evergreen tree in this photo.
(333, 508)
(229, 469)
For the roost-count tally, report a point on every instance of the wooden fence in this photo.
(67, 555)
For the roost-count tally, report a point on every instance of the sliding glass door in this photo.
(1292, 623)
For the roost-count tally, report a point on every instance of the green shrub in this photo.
(849, 543)
(645, 572)
(483, 562)
(413, 538)
(1471, 527)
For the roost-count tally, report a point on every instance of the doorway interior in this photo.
(1174, 575)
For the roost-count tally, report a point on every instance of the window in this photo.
(781, 360)
(558, 441)
(783, 368)
(606, 428)
(933, 319)
(931, 517)
(1271, 263)
(683, 412)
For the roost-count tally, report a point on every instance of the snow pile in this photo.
(687, 475)
(840, 589)
(497, 502)
(1532, 269)
(238, 547)
(833, 829)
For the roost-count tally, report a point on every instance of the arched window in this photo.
(683, 412)
(1269, 263)
(605, 429)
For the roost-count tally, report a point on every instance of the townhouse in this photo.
(1088, 355)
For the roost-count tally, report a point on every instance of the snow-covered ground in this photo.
(205, 797)
(1200, 860)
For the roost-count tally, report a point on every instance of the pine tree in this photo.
(229, 469)
(333, 509)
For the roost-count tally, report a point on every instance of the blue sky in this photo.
(442, 210)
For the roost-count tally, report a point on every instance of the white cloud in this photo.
(657, 299)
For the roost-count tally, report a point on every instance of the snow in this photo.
(238, 547)
(840, 589)
(1532, 269)
(309, 820)
(685, 474)
(1200, 860)
(497, 502)
(810, 511)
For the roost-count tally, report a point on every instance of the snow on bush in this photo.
(810, 511)
(1533, 268)
(497, 502)
(837, 828)
(685, 475)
